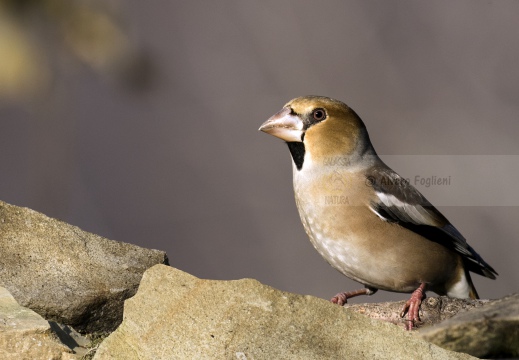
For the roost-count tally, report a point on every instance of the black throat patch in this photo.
(297, 150)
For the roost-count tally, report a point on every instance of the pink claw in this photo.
(412, 307)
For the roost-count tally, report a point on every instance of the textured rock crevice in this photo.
(66, 274)
(26, 335)
(490, 331)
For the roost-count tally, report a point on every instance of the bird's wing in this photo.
(400, 202)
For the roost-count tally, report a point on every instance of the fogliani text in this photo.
(418, 180)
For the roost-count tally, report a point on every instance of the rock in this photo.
(66, 274)
(432, 311)
(489, 331)
(26, 335)
(79, 344)
(175, 315)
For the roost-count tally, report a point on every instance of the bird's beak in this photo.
(284, 125)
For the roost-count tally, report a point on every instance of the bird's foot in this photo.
(342, 298)
(412, 307)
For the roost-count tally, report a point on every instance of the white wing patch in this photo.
(404, 211)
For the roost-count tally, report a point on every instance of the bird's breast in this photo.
(331, 212)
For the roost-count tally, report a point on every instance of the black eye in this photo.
(319, 114)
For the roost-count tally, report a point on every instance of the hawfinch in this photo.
(367, 221)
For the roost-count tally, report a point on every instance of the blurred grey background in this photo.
(138, 121)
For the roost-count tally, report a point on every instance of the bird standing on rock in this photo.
(366, 220)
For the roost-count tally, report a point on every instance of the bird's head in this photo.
(320, 128)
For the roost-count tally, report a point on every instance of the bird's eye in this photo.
(319, 114)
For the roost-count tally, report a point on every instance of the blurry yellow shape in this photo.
(21, 67)
(95, 38)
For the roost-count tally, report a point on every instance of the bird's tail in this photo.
(472, 293)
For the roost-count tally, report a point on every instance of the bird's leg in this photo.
(412, 307)
(342, 298)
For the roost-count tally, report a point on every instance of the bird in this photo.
(364, 219)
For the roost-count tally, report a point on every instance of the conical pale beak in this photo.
(284, 125)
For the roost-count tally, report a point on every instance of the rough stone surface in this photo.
(79, 344)
(26, 335)
(66, 274)
(177, 316)
(489, 331)
(432, 311)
